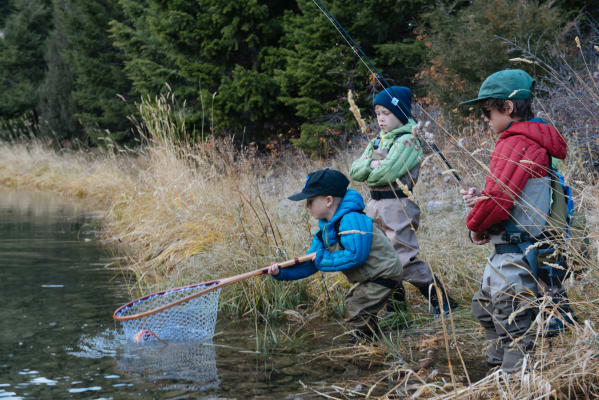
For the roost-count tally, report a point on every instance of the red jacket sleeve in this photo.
(514, 160)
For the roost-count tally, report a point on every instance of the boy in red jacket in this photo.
(514, 204)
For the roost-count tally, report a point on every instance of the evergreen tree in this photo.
(467, 45)
(207, 50)
(319, 67)
(5, 11)
(22, 65)
(99, 81)
(57, 104)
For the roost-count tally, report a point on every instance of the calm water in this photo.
(58, 340)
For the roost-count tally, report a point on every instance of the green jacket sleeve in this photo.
(360, 169)
(403, 156)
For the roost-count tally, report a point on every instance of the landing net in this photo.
(151, 318)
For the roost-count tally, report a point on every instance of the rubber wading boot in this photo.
(494, 353)
(513, 356)
(558, 324)
(448, 302)
(366, 334)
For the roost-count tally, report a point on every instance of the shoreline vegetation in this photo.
(183, 213)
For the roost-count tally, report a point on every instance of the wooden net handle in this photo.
(218, 284)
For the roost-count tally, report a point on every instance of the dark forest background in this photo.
(262, 70)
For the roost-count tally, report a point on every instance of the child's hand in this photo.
(470, 196)
(374, 164)
(479, 237)
(273, 269)
(380, 154)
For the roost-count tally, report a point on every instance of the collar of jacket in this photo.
(402, 130)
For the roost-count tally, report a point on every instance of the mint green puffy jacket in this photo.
(404, 150)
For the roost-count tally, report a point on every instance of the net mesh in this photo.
(192, 320)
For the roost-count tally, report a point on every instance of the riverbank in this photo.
(184, 213)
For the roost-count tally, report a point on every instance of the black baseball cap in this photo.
(324, 182)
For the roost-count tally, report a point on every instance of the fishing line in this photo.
(385, 85)
(351, 42)
(358, 52)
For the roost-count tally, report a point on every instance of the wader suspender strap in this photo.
(376, 143)
(393, 193)
(388, 283)
(338, 224)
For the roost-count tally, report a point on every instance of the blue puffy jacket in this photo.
(356, 240)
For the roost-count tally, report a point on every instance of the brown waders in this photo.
(399, 218)
(374, 283)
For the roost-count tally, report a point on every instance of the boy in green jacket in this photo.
(394, 155)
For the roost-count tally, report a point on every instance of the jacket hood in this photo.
(352, 201)
(542, 133)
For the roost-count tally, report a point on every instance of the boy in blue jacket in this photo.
(348, 242)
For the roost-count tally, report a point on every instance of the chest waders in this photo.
(524, 237)
(550, 222)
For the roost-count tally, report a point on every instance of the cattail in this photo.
(405, 189)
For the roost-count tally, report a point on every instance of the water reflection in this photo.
(156, 362)
(174, 366)
(54, 288)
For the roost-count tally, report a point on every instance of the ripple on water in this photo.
(87, 389)
(192, 365)
(4, 395)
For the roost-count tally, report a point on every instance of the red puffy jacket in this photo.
(522, 151)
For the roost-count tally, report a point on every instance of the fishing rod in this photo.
(378, 77)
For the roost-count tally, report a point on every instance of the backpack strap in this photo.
(338, 224)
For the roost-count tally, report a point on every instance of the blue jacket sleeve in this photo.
(301, 270)
(355, 232)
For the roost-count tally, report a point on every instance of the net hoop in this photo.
(120, 313)
(181, 314)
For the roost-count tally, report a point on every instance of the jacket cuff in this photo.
(318, 258)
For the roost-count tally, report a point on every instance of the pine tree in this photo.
(22, 65)
(57, 105)
(211, 53)
(6, 8)
(469, 44)
(100, 83)
(320, 66)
